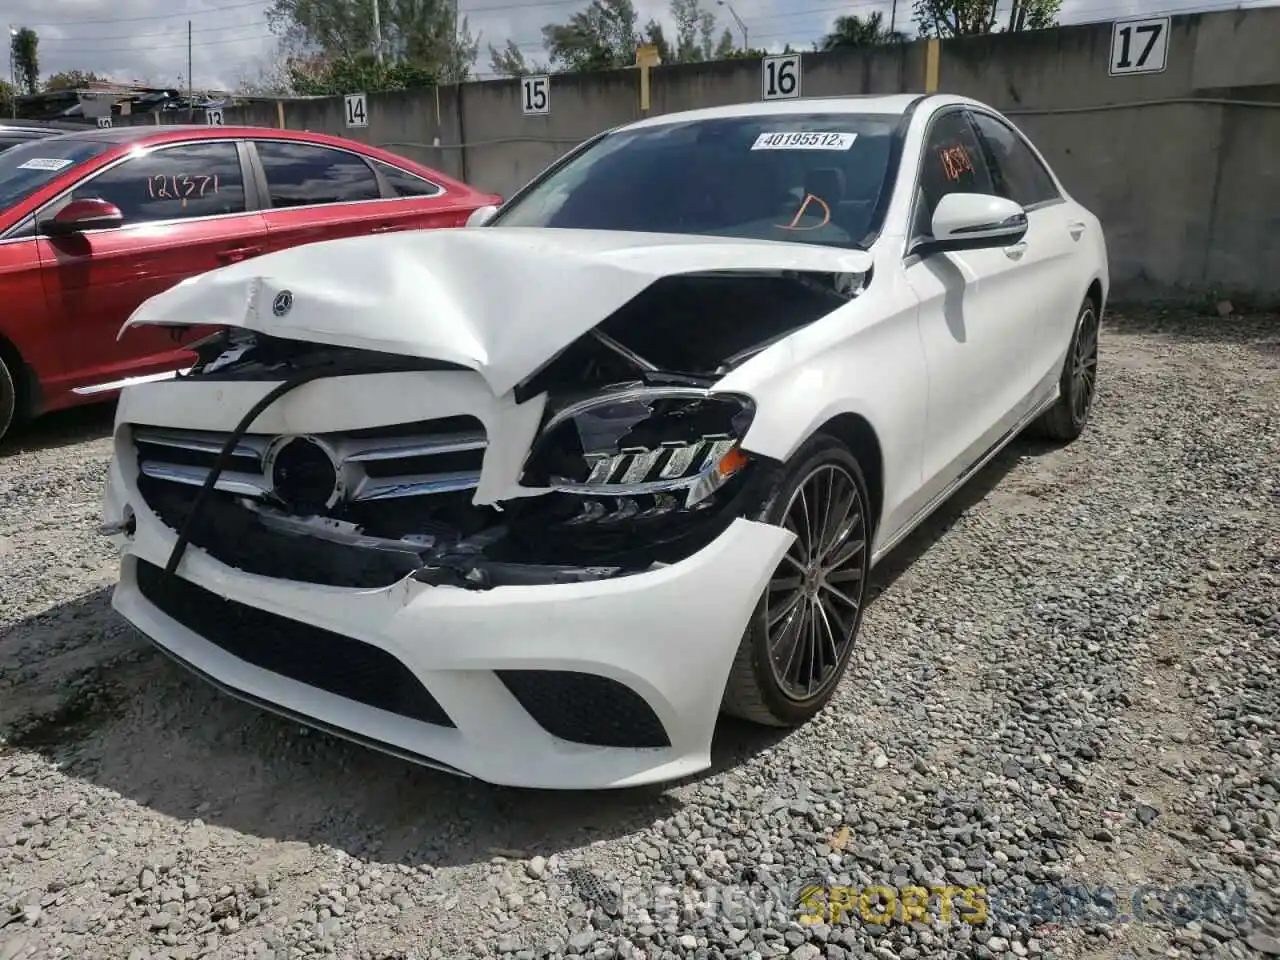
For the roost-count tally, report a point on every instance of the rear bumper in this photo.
(502, 684)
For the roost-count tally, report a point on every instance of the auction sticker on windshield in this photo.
(44, 163)
(804, 141)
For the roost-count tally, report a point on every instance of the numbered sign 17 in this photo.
(535, 95)
(213, 117)
(357, 110)
(1139, 46)
(781, 77)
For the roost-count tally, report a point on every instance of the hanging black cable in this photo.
(224, 455)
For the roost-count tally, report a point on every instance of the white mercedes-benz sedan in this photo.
(538, 499)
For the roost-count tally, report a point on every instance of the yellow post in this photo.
(646, 57)
(280, 114)
(932, 56)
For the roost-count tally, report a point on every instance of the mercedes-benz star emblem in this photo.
(304, 475)
(282, 304)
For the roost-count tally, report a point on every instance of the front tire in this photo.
(802, 632)
(8, 399)
(1066, 419)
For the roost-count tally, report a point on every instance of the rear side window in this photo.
(301, 174)
(172, 183)
(405, 184)
(1018, 173)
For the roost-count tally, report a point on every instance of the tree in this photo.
(756, 53)
(71, 80)
(655, 36)
(321, 76)
(601, 37)
(26, 60)
(268, 79)
(511, 62)
(726, 47)
(695, 28)
(964, 18)
(424, 33)
(855, 31)
(1034, 14)
(7, 93)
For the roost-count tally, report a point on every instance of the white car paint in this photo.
(946, 357)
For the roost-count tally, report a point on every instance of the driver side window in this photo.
(952, 162)
(170, 183)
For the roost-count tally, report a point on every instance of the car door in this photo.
(186, 211)
(25, 321)
(316, 192)
(979, 313)
(1055, 238)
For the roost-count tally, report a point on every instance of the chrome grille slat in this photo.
(386, 488)
(352, 453)
(428, 446)
(200, 442)
(241, 484)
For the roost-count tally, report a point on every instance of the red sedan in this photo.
(95, 222)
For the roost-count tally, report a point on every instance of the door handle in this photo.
(1016, 251)
(1076, 229)
(387, 228)
(234, 254)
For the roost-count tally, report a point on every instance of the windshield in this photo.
(810, 178)
(29, 166)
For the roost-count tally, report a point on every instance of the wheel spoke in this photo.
(840, 595)
(784, 608)
(847, 552)
(789, 638)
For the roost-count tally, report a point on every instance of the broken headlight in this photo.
(649, 450)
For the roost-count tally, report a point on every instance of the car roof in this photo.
(163, 133)
(890, 105)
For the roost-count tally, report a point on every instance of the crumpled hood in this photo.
(502, 301)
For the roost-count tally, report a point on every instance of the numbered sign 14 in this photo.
(535, 95)
(781, 77)
(357, 110)
(213, 117)
(1139, 46)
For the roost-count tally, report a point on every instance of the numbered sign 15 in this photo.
(535, 95)
(104, 122)
(357, 110)
(781, 77)
(1139, 46)
(213, 117)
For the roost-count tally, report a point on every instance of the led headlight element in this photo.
(638, 441)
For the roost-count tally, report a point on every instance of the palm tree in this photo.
(855, 31)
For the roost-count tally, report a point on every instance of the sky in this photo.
(140, 40)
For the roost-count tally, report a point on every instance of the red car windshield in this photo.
(26, 168)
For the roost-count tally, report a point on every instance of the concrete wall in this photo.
(1178, 165)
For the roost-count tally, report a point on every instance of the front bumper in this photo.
(502, 668)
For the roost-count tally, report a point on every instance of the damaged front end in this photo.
(637, 460)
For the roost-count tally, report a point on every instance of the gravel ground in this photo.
(1069, 679)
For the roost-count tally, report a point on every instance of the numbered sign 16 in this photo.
(213, 117)
(104, 122)
(1139, 46)
(535, 95)
(357, 110)
(781, 77)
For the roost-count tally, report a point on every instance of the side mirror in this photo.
(481, 215)
(81, 215)
(974, 221)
